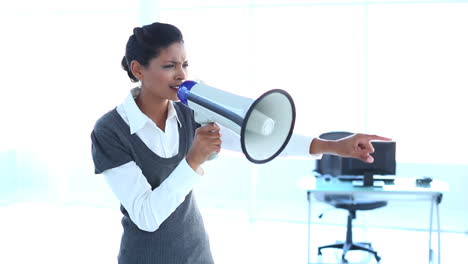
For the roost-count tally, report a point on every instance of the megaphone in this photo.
(265, 125)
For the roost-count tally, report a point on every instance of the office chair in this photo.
(346, 202)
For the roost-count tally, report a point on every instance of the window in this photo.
(394, 68)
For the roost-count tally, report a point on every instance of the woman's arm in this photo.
(149, 208)
(357, 146)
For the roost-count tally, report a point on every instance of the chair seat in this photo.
(354, 205)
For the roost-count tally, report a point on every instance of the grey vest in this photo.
(181, 238)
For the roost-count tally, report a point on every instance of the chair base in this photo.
(351, 246)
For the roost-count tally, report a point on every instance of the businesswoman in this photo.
(150, 151)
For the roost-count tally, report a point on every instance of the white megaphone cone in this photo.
(265, 125)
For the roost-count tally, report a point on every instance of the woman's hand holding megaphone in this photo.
(207, 141)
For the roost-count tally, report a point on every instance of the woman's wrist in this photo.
(194, 165)
(322, 146)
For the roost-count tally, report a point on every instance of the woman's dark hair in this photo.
(147, 42)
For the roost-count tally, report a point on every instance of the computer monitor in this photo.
(384, 165)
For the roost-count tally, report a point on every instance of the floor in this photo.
(46, 233)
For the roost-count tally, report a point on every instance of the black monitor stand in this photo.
(368, 181)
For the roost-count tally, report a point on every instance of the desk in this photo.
(403, 188)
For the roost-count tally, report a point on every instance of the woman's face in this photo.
(162, 77)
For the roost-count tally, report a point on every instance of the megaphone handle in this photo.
(213, 155)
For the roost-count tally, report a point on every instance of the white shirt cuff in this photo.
(182, 179)
(299, 145)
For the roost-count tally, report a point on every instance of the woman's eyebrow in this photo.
(175, 62)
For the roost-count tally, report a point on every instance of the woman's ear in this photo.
(136, 69)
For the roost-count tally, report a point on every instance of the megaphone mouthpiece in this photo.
(184, 91)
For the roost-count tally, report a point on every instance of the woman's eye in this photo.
(168, 66)
(185, 65)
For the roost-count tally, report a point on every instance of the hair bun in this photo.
(125, 63)
(126, 67)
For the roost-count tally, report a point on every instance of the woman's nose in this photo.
(181, 73)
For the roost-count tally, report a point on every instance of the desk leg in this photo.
(430, 229)
(308, 226)
(437, 201)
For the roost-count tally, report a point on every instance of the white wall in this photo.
(396, 68)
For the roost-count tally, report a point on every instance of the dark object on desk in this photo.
(327, 178)
(424, 181)
(384, 161)
(352, 206)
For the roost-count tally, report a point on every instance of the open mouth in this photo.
(174, 87)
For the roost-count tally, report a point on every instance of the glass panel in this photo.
(417, 68)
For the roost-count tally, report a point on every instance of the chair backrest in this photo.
(328, 159)
(339, 200)
(335, 135)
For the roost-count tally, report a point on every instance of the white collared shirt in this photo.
(164, 143)
(149, 208)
